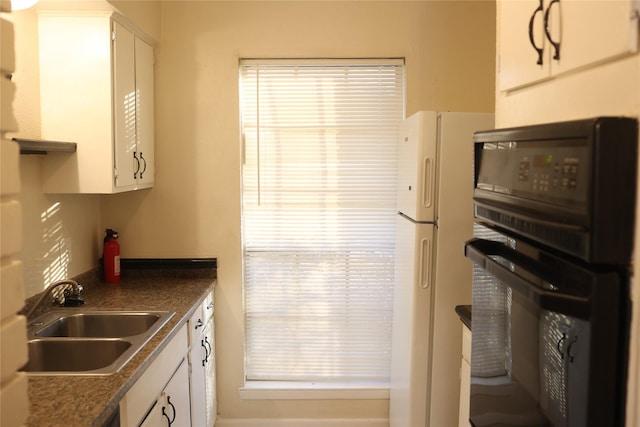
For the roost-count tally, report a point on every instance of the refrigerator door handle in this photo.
(427, 179)
(425, 270)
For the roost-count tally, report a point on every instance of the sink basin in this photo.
(72, 342)
(74, 355)
(100, 324)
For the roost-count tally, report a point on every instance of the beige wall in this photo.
(47, 219)
(194, 208)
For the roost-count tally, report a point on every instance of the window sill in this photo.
(284, 390)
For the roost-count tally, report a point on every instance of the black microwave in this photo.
(568, 185)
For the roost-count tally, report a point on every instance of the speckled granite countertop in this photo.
(87, 401)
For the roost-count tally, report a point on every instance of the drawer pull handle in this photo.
(198, 324)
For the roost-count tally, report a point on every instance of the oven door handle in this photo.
(483, 253)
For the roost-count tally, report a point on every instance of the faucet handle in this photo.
(74, 290)
(72, 296)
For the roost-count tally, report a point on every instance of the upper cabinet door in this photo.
(124, 98)
(76, 100)
(541, 39)
(144, 111)
(519, 62)
(592, 31)
(133, 99)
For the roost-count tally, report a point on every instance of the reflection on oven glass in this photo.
(556, 339)
(522, 358)
(505, 375)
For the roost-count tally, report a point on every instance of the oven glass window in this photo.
(522, 358)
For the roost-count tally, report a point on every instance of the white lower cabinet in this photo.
(202, 365)
(465, 378)
(172, 409)
(179, 387)
(155, 389)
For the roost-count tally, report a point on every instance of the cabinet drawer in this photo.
(196, 325)
(199, 319)
(208, 307)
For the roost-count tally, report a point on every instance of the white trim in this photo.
(279, 390)
(302, 422)
(322, 61)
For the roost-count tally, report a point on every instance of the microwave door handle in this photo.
(481, 252)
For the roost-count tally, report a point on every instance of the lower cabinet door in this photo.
(176, 406)
(173, 408)
(210, 375)
(198, 360)
(153, 417)
(203, 378)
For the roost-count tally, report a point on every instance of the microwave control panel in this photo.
(546, 172)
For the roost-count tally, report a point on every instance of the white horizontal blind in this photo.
(491, 317)
(319, 189)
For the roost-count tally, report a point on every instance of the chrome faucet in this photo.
(72, 295)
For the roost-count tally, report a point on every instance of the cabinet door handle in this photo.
(540, 9)
(144, 166)
(210, 350)
(206, 352)
(198, 324)
(164, 414)
(135, 174)
(173, 408)
(556, 45)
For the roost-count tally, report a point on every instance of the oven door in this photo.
(546, 342)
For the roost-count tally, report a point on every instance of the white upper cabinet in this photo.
(96, 89)
(540, 39)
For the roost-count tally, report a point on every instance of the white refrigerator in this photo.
(435, 218)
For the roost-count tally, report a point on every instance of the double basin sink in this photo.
(72, 342)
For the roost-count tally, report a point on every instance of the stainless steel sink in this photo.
(72, 342)
(74, 355)
(100, 324)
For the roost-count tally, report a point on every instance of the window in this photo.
(319, 189)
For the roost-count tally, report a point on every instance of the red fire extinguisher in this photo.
(111, 257)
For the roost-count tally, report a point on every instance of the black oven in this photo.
(555, 207)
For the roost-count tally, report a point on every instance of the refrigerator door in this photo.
(411, 323)
(417, 166)
(435, 156)
(452, 275)
(455, 163)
